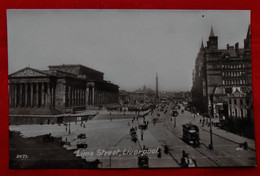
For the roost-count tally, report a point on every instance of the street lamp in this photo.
(210, 124)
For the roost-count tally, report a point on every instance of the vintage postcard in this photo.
(130, 89)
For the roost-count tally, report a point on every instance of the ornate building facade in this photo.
(219, 73)
(61, 89)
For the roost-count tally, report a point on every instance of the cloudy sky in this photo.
(129, 46)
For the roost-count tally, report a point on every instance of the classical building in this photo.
(61, 89)
(219, 73)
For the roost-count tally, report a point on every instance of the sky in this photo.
(128, 46)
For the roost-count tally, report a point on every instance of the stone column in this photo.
(68, 96)
(37, 95)
(21, 95)
(87, 95)
(43, 95)
(75, 97)
(78, 97)
(15, 95)
(93, 96)
(32, 98)
(81, 96)
(26, 96)
(72, 97)
(53, 96)
(48, 96)
(70, 104)
(10, 94)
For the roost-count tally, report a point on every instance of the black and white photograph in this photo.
(122, 89)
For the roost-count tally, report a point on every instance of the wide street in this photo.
(109, 140)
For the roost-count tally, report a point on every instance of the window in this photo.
(235, 101)
(241, 102)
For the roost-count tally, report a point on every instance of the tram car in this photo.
(191, 134)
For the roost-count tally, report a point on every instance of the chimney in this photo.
(227, 46)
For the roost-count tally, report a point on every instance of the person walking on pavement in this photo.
(166, 149)
(159, 154)
(142, 135)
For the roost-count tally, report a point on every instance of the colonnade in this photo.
(34, 94)
(75, 96)
(99, 97)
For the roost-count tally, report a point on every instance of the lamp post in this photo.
(210, 124)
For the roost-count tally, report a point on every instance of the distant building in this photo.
(61, 89)
(142, 95)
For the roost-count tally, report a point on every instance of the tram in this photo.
(191, 134)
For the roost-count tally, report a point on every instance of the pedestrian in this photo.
(166, 149)
(142, 135)
(159, 155)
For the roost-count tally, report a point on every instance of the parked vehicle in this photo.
(143, 162)
(48, 138)
(82, 141)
